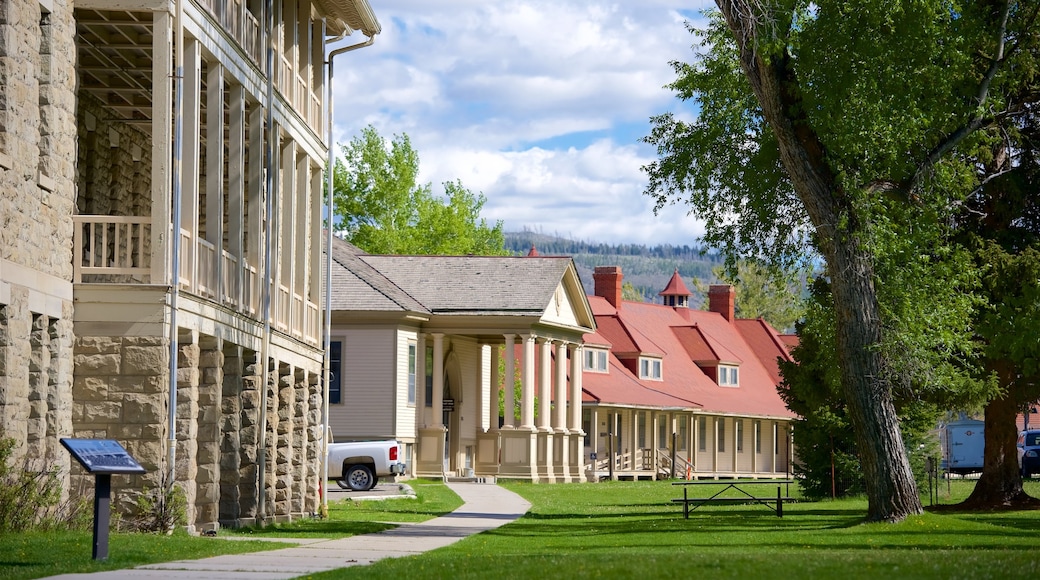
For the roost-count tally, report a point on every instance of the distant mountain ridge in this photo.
(647, 268)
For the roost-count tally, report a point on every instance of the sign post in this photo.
(102, 457)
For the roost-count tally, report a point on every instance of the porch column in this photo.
(438, 379)
(545, 434)
(577, 444)
(236, 189)
(508, 396)
(527, 379)
(494, 417)
(520, 444)
(430, 451)
(215, 178)
(255, 201)
(420, 381)
(488, 446)
(190, 169)
(561, 436)
(162, 147)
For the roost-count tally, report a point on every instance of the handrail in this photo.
(111, 246)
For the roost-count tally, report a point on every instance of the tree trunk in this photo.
(890, 485)
(891, 490)
(1000, 485)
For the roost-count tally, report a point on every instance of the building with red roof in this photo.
(663, 381)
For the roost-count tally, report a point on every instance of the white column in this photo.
(215, 175)
(496, 382)
(162, 146)
(560, 418)
(420, 382)
(190, 169)
(577, 354)
(508, 382)
(527, 382)
(544, 382)
(438, 380)
(237, 187)
(483, 386)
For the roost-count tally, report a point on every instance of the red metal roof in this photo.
(675, 286)
(678, 335)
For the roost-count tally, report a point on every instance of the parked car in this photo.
(1029, 452)
(358, 465)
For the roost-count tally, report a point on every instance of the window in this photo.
(595, 360)
(702, 433)
(662, 433)
(411, 373)
(641, 428)
(586, 425)
(720, 437)
(738, 429)
(429, 377)
(335, 372)
(728, 376)
(758, 437)
(683, 433)
(650, 369)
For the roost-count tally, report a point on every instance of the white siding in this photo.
(404, 421)
(560, 309)
(367, 407)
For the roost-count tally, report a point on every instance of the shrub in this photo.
(31, 497)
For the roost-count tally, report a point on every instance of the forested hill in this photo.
(647, 268)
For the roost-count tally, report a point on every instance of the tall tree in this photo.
(828, 121)
(381, 208)
(1001, 223)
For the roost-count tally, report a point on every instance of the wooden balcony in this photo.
(117, 250)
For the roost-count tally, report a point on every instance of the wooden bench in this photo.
(774, 503)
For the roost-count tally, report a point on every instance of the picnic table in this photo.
(745, 495)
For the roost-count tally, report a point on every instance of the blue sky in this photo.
(537, 104)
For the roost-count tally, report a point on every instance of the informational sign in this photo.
(449, 405)
(102, 456)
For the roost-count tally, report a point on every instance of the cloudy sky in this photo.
(538, 104)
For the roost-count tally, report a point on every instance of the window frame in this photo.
(413, 353)
(595, 360)
(651, 369)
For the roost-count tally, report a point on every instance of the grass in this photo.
(630, 530)
(39, 554)
(615, 530)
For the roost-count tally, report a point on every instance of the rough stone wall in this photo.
(312, 503)
(37, 193)
(187, 469)
(211, 365)
(113, 169)
(121, 392)
(253, 380)
(284, 452)
(37, 135)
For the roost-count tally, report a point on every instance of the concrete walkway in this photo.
(486, 507)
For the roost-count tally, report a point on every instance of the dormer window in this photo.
(728, 376)
(650, 368)
(595, 360)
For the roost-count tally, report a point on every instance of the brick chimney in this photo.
(721, 300)
(607, 280)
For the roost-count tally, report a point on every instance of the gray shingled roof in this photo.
(360, 287)
(475, 284)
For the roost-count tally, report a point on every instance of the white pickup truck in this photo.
(358, 465)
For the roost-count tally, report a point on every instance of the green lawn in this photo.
(629, 530)
(616, 530)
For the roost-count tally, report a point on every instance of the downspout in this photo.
(326, 428)
(265, 344)
(175, 238)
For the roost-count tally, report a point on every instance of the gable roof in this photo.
(356, 285)
(460, 286)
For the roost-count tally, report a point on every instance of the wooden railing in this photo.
(112, 248)
(236, 19)
(117, 249)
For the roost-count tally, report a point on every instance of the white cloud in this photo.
(538, 104)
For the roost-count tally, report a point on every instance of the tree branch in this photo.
(962, 132)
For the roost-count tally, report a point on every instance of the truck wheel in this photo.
(358, 478)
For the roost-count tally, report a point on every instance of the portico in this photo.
(484, 377)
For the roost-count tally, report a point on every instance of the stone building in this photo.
(161, 167)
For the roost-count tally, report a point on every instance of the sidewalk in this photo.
(485, 507)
